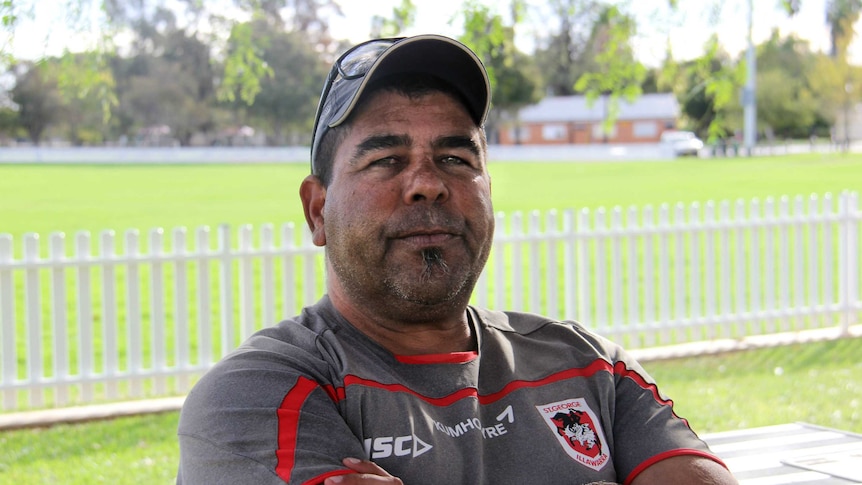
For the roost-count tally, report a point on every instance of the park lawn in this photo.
(70, 198)
(814, 382)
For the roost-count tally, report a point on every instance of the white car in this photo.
(682, 142)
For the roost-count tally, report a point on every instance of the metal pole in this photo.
(749, 100)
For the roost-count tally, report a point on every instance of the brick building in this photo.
(560, 120)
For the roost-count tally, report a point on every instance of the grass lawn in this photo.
(47, 198)
(815, 382)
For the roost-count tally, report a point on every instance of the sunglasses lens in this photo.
(357, 62)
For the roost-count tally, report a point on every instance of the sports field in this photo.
(70, 198)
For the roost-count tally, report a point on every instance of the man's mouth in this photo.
(426, 239)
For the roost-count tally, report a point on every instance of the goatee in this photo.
(433, 258)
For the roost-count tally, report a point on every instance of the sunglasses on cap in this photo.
(353, 64)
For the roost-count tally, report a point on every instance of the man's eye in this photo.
(452, 160)
(387, 161)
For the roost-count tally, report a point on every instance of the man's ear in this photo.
(313, 195)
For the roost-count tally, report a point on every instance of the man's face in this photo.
(407, 217)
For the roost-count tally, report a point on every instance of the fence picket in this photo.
(180, 319)
(267, 279)
(649, 314)
(225, 289)
(134, 334)
(59, 336)
(552, 275)
(288, 271)
(33, 317)
(109, 305)
(8, 332)
(246, 282)
(754, 272)
(204, 308)
(600, 272)
(157, 312)
(616, 274)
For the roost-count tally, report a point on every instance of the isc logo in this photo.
(387, 446)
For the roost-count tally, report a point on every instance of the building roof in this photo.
(576, 108)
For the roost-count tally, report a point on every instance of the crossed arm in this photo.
(691, 470)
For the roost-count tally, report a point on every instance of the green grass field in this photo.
(47, 198)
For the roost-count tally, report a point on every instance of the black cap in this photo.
(442, 57)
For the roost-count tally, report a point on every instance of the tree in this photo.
(841, 16)
(288, 98)
(788, 106)
(569, 51)
(162, 51)
(707, 89)
(403, 17)
(38, 99)
(515, 81)
(617, 73)
(88, 94)
(244, 67)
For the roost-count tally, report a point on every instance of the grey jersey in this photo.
(540, 402)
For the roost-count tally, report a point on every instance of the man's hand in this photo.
(367, 473)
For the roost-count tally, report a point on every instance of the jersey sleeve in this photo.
(646, 428)
(264, 415)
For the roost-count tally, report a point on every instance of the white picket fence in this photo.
(83, 321)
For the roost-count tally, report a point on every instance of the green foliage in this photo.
(293, 63)
(791, 6)
(618, 74)
(787, 104)
(515, 80)
(403, 16)
(565, 54)
(484, 32)
(841, 17)
(39, 102)
(707, 90)
(244, 67)
(88, 76)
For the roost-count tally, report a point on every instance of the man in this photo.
(392, 377)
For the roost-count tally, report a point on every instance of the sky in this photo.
(687, 29)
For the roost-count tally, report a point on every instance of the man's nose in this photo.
(425, 182)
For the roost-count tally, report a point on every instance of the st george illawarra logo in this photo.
(578, 430)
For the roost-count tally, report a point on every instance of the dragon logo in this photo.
(578, 431)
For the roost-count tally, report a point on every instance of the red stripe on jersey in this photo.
(450, 358)
(597, 366)
(621, 370)
(669, 454)
(288, 425)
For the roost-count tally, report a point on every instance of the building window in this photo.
(599, 133)
(645, 129)
(554, 132)
(519, 134)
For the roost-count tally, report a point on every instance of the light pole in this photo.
(848, 88)
(749, 101)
